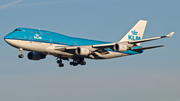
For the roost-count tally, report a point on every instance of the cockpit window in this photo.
(17, 30)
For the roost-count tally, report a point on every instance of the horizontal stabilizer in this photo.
(148, 47)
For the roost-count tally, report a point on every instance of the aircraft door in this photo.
(51, 41)
(30, 39)
(41, 33)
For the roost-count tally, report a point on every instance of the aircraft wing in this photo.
(101, 47)
(72, 49)
(110, 45)
(150, 39)
(60, 48)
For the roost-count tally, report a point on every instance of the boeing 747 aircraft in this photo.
(41, 43)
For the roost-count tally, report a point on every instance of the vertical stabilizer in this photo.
(136, 33)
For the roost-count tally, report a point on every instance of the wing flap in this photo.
(60, 48)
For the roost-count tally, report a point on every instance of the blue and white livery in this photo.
(41, 43)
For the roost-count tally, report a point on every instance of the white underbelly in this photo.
(49, 49)
(37, 46)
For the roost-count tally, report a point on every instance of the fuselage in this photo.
(45, 41)
(41, 43)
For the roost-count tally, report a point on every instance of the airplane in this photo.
(41, 43)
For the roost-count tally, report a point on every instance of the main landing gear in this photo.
(76, 61)
(20, 54)
(60, 63)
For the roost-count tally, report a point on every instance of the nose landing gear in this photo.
(20, 54)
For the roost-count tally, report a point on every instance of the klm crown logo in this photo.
(134, 36)
(37, 37)
(134, 32)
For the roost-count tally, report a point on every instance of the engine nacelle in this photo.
(120, 47)
(36, 56)
(82, 51)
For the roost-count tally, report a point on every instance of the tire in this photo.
(71, 63)
(83, 63)
(20, 55)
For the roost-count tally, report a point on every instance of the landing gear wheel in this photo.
(83, 63)
(75, 64)
(58, 61)
(20, 55)
(61, 65)
(71, 63)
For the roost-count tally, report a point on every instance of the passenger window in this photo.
(17, 30)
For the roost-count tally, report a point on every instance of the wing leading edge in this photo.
(131, 42)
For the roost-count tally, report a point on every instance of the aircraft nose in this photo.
(6, 37)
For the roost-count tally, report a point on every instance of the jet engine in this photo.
(36, 56)
(82, 51)
(120, 47)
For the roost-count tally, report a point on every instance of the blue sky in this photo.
(151, 76)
